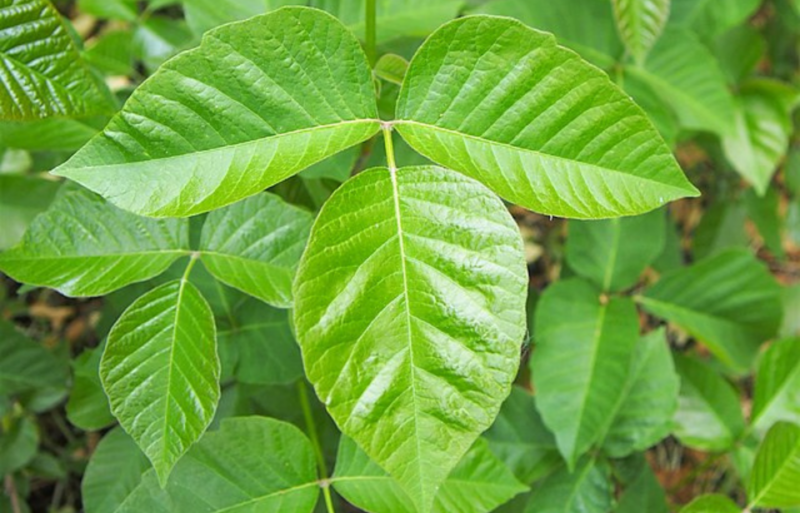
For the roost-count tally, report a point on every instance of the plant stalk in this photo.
(387, 141)
(311, 428)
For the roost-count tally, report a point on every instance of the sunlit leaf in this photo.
(502, 103)
(410, 312)
(161, 372)
(257, 102)
(83, 246)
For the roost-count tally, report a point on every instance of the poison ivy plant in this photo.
(161, 372)
(202, 139)
(404, 365)
(42, 73)
(325, 242)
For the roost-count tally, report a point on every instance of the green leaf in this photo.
(26, 365)
(586, 490)
(597, 351)
(720, 228)
(114, 471)
(112, 53)
(573, 145)
(83, 246)
(586, 26)
(760, 137)
(257, 102)
(88, 406)
(41, 71)
(764, 211)
(686, 74)
(711, 17)
(267, 350)
(711, 504)
(613, 253)
(158, 38)
(709, 417)
(46, 134)
(777, 387)
(520, 439)
(19, 440)
(640, 23)
(255, 246)
(776, 472)
(643, 494)
(391, 68)
(791, 304)
(22, 198)
(650, 397)
(479, 483)
(124, 10)
(223, 473)
(395, 19)
(739, 51)
(729, 302)
(410, 313)
(204, 15)
(657, 109)
(161, 372)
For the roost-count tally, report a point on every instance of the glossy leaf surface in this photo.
(255, 246)
(502, 103)
(41, 71)
(410, 312)
(256, 103)
(578, 367)
(161, 372)
(83, 246)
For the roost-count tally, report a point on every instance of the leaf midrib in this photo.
(59, 171)
(784, 462)
(412, 364)
(173, 252)
(540, 154)
(597, 340)
(178, 303)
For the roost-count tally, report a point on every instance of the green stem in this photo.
(371, 15)
(192, 260)
(387, 141)
(311, 428)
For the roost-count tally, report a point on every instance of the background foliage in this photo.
(677, 390)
